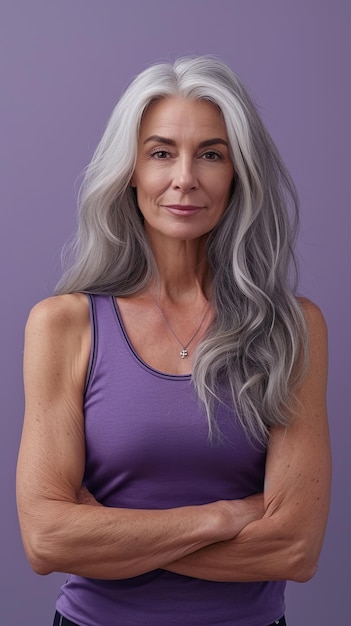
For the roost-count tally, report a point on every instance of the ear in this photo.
(132, 182)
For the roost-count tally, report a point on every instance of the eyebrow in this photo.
(171, 142)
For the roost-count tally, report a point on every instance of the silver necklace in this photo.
(184, 353)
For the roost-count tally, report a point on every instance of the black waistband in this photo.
(63, 621)
(59, 620)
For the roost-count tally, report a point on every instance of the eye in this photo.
(212, 155)
(160, 154)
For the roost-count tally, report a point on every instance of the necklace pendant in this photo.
(183, 353)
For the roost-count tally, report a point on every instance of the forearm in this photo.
(102, 542)
(263, 550)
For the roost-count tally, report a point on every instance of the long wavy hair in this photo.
(257, 341)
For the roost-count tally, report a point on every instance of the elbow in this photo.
(41, 567)
(44, 539)
(38, 558)
(303, 563)
(304, 571)
(298, 549)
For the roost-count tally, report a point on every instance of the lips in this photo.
(183, 209)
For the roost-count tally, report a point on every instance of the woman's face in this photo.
(184, 173)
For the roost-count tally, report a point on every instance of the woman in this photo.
(175, 452)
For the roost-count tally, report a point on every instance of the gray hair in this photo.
(257, 342)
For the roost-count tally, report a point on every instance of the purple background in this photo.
(63, 66)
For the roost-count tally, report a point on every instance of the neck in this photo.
(183, 273)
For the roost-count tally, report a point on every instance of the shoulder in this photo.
(317, 344)
(59, 314)
(59, 325)
(57, 341)
(314, 318)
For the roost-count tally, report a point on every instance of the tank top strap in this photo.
(102, 324)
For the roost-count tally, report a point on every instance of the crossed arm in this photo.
(275, 536)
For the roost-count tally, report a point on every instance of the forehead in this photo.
(176, 114)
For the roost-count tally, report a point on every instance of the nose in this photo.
(184, 175)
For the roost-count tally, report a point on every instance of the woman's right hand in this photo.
(237, 514)
(85, 497)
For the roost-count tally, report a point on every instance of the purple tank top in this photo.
(147, 447)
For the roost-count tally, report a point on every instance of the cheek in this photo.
(219, 184)
(222, 193)
(151, 183)
(228, 189)
(147, 195)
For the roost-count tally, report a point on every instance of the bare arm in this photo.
(286, 542)
(60, 533)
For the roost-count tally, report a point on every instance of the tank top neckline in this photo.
(134, 353)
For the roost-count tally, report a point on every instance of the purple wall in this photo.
(63, 65)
